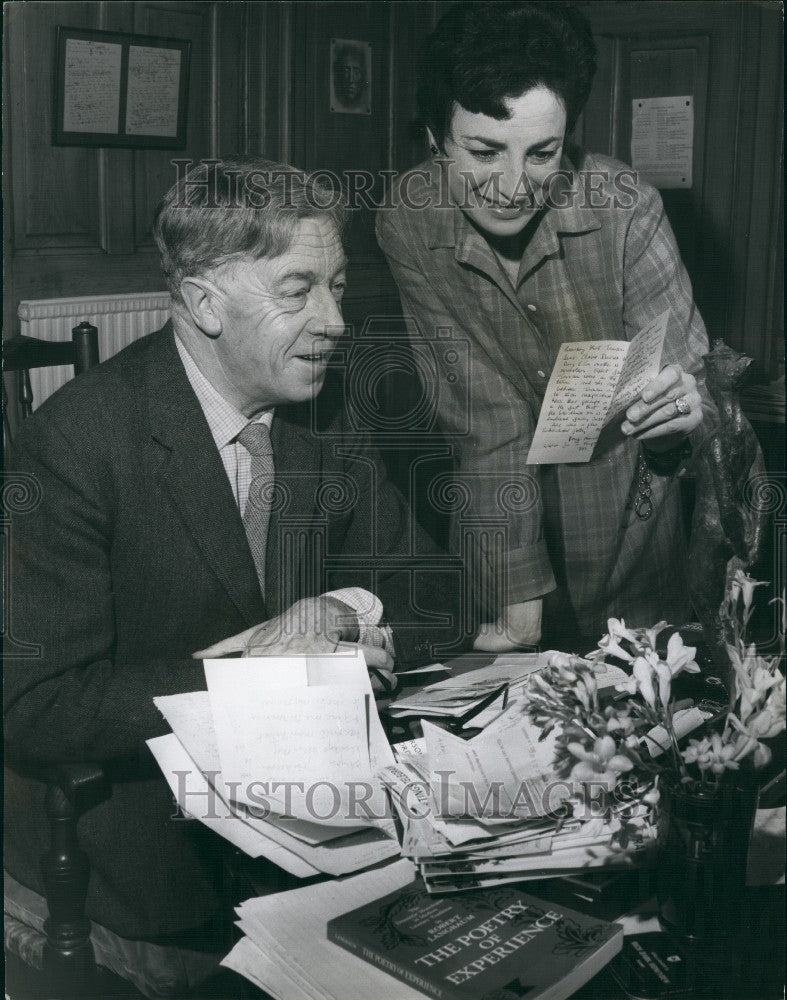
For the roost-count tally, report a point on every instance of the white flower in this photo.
(610, 644)
(742, 583)
(601, 767)
(680, 657)
(643, 673)
(664, 675)
(649, 634)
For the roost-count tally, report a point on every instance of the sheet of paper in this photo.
(662, 140)
(311, 736)
(193, 794)
(91, 98)
(191, 720)
(268, 971)
(642, 364)
(592, 382)
(323, 742)
(575, 405)
(153, 90)
(503, 773)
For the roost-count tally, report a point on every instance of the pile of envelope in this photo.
(490, 809)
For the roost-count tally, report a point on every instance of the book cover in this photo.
(495, 944)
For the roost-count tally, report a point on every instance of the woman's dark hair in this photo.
(483, 52)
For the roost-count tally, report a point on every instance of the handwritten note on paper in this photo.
(91, 93)
(316, 738)
(153, 91)
(591, 383)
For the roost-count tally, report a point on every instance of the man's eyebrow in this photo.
(310, 276)
(296, 276)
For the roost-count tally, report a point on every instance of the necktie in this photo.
(256, 439)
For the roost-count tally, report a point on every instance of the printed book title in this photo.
(489, 938)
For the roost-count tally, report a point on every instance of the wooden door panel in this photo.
(57, 190)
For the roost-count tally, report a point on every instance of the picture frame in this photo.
(351, 76)
(117, 88)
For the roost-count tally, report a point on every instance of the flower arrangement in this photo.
(615, 754)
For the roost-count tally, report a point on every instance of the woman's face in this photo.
(497, 170)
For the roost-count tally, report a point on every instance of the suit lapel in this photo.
(193, 474)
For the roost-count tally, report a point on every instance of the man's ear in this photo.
(203, 303)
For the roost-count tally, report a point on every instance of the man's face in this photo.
(352, 77)
(281, 318)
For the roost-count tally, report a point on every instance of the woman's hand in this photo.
(668, 409)
(519, 625)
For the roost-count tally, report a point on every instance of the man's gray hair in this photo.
(239, 207)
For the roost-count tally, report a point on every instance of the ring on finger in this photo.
(682, 405)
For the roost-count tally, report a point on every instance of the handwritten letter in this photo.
(91, 98)
(592, 382)
(153, 91)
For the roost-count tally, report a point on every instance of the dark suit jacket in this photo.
(129, 556)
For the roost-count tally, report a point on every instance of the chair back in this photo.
(20, 354)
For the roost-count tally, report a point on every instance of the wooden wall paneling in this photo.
(266, 34)
(409, 27)
(154, 172)
(57, 199)
(757, 203)
(595, 130)
(671, 67)
(712, 28)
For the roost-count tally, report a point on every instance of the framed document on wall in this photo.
(119, 89)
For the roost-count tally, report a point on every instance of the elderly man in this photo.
(195, 499)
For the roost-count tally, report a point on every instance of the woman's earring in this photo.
(433, 149)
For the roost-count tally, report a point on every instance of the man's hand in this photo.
(519, 625)
(312, 626)
(668, 409)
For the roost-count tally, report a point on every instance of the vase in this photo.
(705, 840)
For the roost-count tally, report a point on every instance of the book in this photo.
(498, 943)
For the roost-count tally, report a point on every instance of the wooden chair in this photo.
(20, 354)
(68, 964)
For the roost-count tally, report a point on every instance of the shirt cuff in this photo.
(369, 609)
(525, 575)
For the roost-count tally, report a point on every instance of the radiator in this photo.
(119, 319)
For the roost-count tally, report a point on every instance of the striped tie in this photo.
(255, 438)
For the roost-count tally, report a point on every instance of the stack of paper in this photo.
(279, 756)
(472, 699)
(484, 811)
(286, 951)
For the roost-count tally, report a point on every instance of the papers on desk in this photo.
(484, 811)
(286, 952)
(279, 756)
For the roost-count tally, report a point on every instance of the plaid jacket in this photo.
(599, 268)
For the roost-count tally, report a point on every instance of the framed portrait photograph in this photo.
(118, 89)
(351, 77)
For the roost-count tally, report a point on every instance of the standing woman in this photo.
(515, 249)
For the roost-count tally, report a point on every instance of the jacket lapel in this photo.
(193, 473)
(290, 560)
